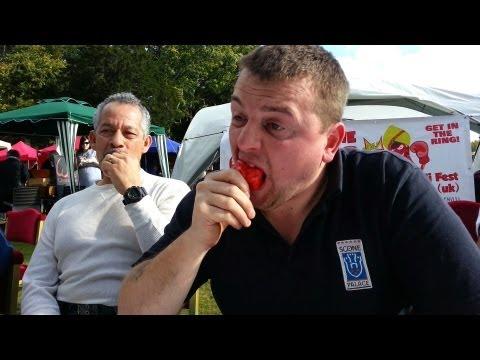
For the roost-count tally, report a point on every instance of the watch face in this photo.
(134, 193)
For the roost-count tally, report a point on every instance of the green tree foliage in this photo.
(94, 72)
(5, 49)
(174, 81)
(199, 76)
(24, 72)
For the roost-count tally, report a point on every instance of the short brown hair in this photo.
(287, 62)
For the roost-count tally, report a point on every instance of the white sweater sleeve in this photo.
(151, 214)
(40, 281)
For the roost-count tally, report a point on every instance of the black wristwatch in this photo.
(134, 194)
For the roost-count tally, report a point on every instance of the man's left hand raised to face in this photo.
(122, 169)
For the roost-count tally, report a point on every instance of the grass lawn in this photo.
(25, 249)
(208, 305)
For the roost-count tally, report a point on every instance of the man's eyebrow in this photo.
(236, 98)
(280, 109)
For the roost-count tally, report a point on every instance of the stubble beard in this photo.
(278, 197)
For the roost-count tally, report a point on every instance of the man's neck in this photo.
(288, 218)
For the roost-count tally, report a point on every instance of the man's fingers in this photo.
(119, 155)
(106, 166)
(230, 176)
(122, 160)
(226, 191)
(221, 216)
(231, 206)
(115, 157)
(109, 159)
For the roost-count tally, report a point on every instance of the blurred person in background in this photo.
(13, 173)
(86, 160)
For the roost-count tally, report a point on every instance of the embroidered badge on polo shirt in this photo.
(354, 264)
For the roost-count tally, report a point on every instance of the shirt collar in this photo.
(334, 175)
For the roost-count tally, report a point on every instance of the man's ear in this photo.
(146, 143)
(93, 139)
(335, 135)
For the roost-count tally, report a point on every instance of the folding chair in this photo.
(192, 306)
(24, 226)
(194, 303)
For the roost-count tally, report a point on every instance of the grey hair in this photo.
(124, 98)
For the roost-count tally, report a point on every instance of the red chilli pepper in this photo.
(254, 176)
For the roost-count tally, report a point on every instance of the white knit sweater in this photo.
(90, 240)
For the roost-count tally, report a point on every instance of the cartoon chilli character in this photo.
(398, 140)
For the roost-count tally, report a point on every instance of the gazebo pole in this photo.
(163, 155)
(67, 132)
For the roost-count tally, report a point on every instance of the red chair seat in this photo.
(468, 212)
(22, 269)
(17, 257)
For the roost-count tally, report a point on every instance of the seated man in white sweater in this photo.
(91, 238)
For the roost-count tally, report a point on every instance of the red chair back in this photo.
(22, 226)
(468, 212)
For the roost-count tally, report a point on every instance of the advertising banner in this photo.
(439, 145)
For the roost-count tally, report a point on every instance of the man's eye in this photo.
(274, 127)
(278, 131)
(238, 120)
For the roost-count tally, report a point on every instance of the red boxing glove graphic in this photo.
(254, 176)
(420, 148)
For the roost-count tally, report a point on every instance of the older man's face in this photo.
(120, 130)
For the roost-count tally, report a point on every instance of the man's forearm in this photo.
(160, 285)
(148, 221)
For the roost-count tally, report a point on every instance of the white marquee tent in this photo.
(5, 145)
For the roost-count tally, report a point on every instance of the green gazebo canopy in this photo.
(42, 118)
(157, 130)
(62, 117)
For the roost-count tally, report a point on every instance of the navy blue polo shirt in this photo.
(381, 239)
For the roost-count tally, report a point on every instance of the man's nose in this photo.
(117, 139)
(249, 138)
